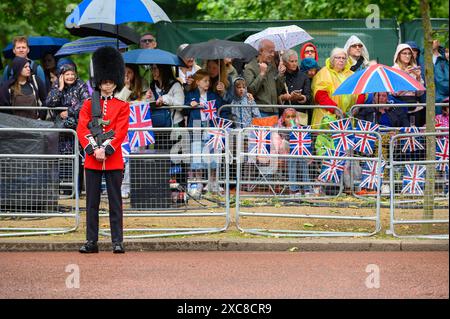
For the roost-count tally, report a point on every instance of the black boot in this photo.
(118, 248)
(89, 247)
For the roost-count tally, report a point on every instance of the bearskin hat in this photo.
(108, 64)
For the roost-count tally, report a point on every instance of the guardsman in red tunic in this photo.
(101, 130)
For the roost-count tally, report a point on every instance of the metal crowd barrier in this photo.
(354, 109)
(165, 184)
(408, 180)
(234, 132)
(31, 188)
(337, 110)
(283, 194)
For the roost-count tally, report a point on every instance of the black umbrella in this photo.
(219, 49)
(122, 32)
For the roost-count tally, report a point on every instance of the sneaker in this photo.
(125, 195)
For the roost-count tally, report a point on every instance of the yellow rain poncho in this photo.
(327, 79)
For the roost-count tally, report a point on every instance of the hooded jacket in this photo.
(441, 76)
(413, 62)
(419, 59)
(5, 90)
(302, 51)
(364, 53)
(324, 83)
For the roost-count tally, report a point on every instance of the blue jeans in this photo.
(298, 165)
(161, 118)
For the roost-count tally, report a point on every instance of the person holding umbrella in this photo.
(220, 80)
(327, 80)
(263, 78)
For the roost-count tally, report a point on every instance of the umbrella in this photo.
(155, 56)
(284, 38)
(115, 12)
(87, 45)
(378, 78)
(39, 46)
(123, 33)
(219, 49)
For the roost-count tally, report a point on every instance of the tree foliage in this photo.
(315, 9)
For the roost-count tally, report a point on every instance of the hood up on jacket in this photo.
(302, 50)
(17, 65)
(400, 48)
(355, 40)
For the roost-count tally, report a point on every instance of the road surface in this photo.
(227, 275)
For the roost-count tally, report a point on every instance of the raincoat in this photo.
(364, 53)
(324, 83)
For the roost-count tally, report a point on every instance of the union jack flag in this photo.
(140, 117)
(370, 176)
(217, 137)
(300, 143)
(342, 141)
(332, 169)
(126, 150)
(410, 143)
(365, 143)
(208, 112)
(442, 153)
(414, 179)
(259, 142)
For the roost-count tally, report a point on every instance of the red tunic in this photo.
(118, 113)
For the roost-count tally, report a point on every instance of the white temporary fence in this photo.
(413, 196)
(286, 183)
(175, 181)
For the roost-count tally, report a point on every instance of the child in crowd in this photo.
(242, 115)
(322, 143)
(291, 119)
(200, 99)
(442, 119)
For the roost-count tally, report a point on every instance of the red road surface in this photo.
(225, 275)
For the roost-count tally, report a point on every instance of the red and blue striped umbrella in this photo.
(378, 78)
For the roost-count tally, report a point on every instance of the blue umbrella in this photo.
(116, 12)
(154, 56)
(88, 45)
(39, 46)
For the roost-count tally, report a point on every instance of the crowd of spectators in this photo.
(271, 78)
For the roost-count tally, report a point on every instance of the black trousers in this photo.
(93, 192)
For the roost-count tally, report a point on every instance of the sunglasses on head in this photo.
(147, 40)
(357, 46)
